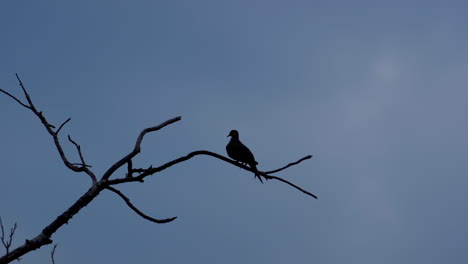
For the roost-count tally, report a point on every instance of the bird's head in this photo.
(234, 134)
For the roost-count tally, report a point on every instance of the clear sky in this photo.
(377, 91)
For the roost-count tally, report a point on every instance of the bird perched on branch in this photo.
(239, 152)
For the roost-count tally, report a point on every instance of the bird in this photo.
(239, 152)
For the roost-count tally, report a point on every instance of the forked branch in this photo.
(44, 237)
(150, 171)
(7, 239)
(137, 147)
(49, 127)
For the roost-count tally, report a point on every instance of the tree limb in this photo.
(127, 201)
(151, 171)
(137, 147)
(44, 238)
(49, 129)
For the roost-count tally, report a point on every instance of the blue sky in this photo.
(376, 91)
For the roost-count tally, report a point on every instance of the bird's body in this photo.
(239, 152)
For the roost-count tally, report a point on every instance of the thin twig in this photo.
(52, 254)
(25, 92)
(292, 184)
(127, 201)
(85, 168)
(14, 98)
(289, 165)
(60, 127)
(78, 148)
(7, 241)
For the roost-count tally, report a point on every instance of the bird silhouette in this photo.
(239, 152)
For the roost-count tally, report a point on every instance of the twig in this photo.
(63, 124)
(24, 91)
(7, 241)
(292, 184)
(14, 98)
(127, 201)
(289, 165)
(78, 148)
(52, 254)
(83, 166)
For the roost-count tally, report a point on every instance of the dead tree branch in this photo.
(45, 236)
(137, 147)
(50, 130)
(150, 171)
(127, 201)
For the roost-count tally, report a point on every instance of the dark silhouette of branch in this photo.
(49, 129)
(150, 171)
(44, 237)
(63, 124)
(129, 169)
(52, 253)
(290, 164)
(6, 241)
(14, 98)
(83, 163)
(291, 184)
(137, 147)
(127, 201)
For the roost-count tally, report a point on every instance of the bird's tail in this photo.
(254, 168)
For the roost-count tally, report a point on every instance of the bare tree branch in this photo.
(137, 147)
(127, 201)
(84, 166)
(49, 128)
(150, 171)
(7, 241)
(44, 237)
